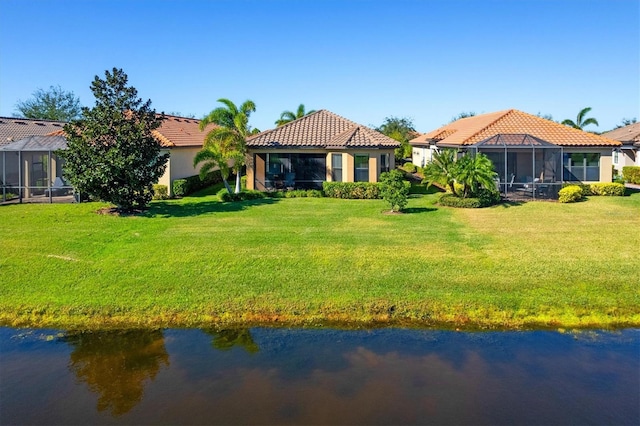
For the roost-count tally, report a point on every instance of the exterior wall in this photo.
(626, 157)
(179, 165)
(421, 155)
(256, 166)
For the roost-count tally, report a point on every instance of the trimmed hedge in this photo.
(352, 190)
(607, 189)
(225, 197)
(484, 198)
(570, 194)
(186, 186)
(631, 174)
(160, 192)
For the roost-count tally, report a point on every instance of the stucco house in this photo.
(533, 156)
(30, 170)
(629, 153)
(319, 147)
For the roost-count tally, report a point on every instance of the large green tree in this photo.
(52, 104)
(400, 129)
(289, 116)
(581, 121)
(112, 154)
(226, 142)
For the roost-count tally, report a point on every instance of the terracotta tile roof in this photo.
(174, 132)
(470, 130)
(13, 129)
(321, 129)
(629, 134)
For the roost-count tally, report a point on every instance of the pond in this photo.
(319, 376)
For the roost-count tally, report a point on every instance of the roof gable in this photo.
(321, 129)
(470, 130)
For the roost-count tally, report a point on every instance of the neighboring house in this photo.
(319, 147)
(533, 156)
(13, 129)
(29, 167)
(629, 153)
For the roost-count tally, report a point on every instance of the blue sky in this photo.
(363, 59)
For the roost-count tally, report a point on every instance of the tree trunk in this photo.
(237, 182)
(226, 185)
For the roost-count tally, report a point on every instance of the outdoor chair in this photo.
(289, 181)
(58, 188)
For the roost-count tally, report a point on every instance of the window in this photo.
(582, 167)
(336, 167)
(615, 157)
(384, 163)
(361, 163)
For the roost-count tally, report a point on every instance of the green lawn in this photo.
(306, 261)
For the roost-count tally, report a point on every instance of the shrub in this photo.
(585, 187)
(450, 200)
(631, 174)
(488, 197)
(160, 192)
(608, 189)
(224, 196)
(189, 185)
(394, 189)
(570, 194)
(409, 167)
(351, 190)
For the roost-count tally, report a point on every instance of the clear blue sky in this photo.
(365, 60)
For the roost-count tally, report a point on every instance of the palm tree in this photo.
(288, 116)
(213, 159)
(474, 171)
(226, 143)
(580, 123)
(442, 169)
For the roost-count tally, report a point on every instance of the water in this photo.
(293, 376)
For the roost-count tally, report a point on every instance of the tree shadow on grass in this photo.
(414, 210)
(164, 209)
(510, 203)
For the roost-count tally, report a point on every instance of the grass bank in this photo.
(197, 262)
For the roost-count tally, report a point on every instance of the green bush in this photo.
(570, 194)
(450, 200)
(631, 174)
(224, 196)
(488, 197)
(409, 168)
(607, 189)
(160, 192)
(351, 190)
(191, 184)
(394, 189)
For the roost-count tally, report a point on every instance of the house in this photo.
(318, 147)
(533, 156)
(629, 153)
(30, 169)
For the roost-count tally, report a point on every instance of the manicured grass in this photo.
(196, 261)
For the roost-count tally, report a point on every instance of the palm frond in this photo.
(581, 116)
(590, 120)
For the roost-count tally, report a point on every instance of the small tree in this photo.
(400, 129)
(112, 154)
(394, 189)
(53, 104)
(474, 172)
(442, 170)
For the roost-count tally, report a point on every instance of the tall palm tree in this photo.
(288, 116)
(226, 143)
(442, 169)
(580, 123)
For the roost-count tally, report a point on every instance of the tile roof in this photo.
(13, 129)
(37, 143)
(321, 129)
(470, 130)
(629, 134)
(174, 132)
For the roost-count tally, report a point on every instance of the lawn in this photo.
(305, 261)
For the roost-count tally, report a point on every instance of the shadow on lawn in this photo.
(413, 210)
(169, 209)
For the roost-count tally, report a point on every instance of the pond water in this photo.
(323, 376)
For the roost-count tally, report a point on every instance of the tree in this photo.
(626, 122)
(53, 104)
(581, 122)
(213, 158)
(288, 116)
(112, 154)
(227, 141)
(442, 170)
(463, 114)
(473, 172)
(394, 189)
(400, 129)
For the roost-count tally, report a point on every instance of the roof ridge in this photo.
(500, 117)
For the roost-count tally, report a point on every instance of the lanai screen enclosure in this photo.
(527, 167)
(31, 171)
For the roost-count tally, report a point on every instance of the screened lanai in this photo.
(30, 171)
(527, 166)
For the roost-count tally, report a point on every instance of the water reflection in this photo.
(116, 365)
(283, 376)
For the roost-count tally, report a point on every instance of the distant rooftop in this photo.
(13, 129)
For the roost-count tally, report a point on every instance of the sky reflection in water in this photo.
(292, 376)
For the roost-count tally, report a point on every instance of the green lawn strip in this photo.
(195, 261)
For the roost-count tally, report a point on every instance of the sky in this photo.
(426, 60)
